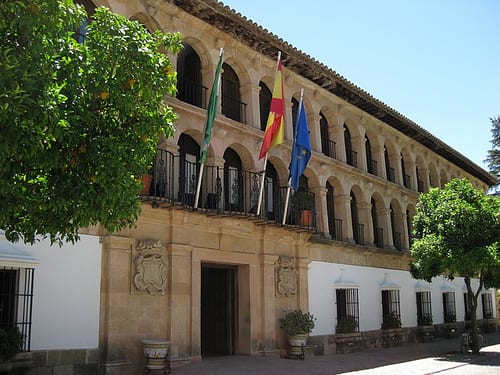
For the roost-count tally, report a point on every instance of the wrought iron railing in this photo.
(234, 109)
(391, 175)
(352, 158)
(192, 92)
(407, 181)
(225, 190)
(331, 151)
(372, 167)
(335, 226)
(396, 238)
(379, 237)
(358, 231)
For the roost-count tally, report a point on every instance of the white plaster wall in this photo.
(322, 284)
(66, 294)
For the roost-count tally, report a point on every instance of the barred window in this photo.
(16, 300)
(487, 303)
(391, 315)
(347, 310)
(424, 308)
(449, 310)
(466, 308)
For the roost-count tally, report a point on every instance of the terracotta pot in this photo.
(146, 182)
(306, 218)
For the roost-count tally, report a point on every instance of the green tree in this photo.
(456, 232)
(80, 121)
(493, 158)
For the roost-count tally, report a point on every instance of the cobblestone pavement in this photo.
(442, 356)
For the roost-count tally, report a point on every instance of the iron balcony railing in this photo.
(372, 167)
(331, 150)
(396, 238)
(358, 231)
(379, 237)
(192, 92)
(391, 175)
(407, 181)
(352, 158)
(335, 226)
(234, 109)
(225, 190)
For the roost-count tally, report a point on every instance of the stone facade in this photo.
(372, 196)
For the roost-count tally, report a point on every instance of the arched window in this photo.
(232, 181)
(406, 177)
(265, 97)
(357, 227)
(378, 232)
(350, 154)
(189, 78)
(271, 202)
(325, 137)
(396, 234)
(371, 164)
(189, 152)
(295, 109)
(231, 102)
(334, 224)
(388, 169)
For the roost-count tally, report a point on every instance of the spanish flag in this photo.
(275, 128)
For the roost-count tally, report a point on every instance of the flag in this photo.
(275, 128)
(301, 148)
(211, 112)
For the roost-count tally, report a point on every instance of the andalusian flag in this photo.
(275, 128)
(213, 104)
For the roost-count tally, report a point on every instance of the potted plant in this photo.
(297, 325)
(11, 343)
(391, 321)
(303, 204)
(346, 324)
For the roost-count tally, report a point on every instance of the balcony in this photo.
(225, 191)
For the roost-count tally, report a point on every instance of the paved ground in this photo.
(441, 357)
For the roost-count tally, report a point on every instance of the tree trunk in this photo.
(472, 302)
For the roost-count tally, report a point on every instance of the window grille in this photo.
(391, 313)
(487, 305)
(347, 310)
(424, 308)
(16, 300)
(449, 311)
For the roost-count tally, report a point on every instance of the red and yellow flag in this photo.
(275, 128)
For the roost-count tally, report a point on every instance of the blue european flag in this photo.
(301, 149)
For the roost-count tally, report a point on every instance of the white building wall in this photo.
(324, 278)
(66, 294)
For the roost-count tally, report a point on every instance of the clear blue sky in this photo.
(437, 62)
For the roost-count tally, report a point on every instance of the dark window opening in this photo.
(189, 78)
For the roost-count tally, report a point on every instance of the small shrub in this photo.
(297, 322)
(347, 324)
(425, 320)
(391, 320)
(11, 342)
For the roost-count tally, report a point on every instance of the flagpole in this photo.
(261, 190)
(202, 165)
(263, 178)
(198, 185)
(287, 199)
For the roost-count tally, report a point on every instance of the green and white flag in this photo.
(213, 104)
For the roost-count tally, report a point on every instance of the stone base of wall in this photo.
(359, 341)
(57, 362)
